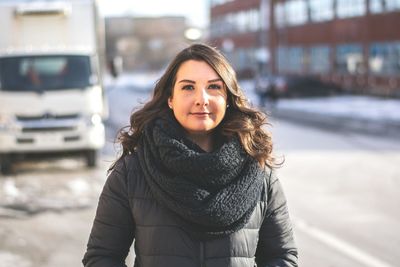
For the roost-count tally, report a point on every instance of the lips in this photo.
(200, 113)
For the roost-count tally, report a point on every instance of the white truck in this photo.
(51, 94)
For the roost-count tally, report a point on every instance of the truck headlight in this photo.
(7, 122)
(94, 119)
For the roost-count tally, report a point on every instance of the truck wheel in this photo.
(91, 158)
(5, 164)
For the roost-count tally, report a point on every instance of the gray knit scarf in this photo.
(213, 193)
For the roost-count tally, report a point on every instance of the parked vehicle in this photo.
(51, 94)
(304, 86)
(282, 86)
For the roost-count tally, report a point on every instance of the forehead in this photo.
(196, 70)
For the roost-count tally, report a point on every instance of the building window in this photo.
(379, 6)
(232, 23)
(283, 59)
(384, 58)
(246, 61)
(350, 8)
(245, 21)
(320, 59)
(321, 10)
(349, 58)
(243, 60)
(250, 20)
(264, 15)
(280, 15)
(214, 3)
(290, 59)
(296, 12)
(296, 59)
(392, 5)
(291, 13)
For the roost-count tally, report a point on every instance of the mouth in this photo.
(200, 113)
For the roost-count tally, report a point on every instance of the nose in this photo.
(202, 97)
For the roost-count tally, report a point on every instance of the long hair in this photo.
(240, 118)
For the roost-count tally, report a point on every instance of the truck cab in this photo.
(51, 95)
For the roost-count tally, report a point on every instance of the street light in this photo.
(193, 34)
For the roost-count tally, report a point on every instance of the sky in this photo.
(196, 11)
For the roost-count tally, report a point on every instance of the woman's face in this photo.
(199, 97)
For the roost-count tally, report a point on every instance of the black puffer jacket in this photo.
(133, 214)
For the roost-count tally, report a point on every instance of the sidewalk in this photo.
(363, 114)
(368, 115)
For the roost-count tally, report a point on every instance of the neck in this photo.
(205, 141)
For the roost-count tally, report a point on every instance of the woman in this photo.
(194, 185)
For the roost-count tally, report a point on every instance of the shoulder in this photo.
(126, 170)
(271, 182)
(134, 179)
(270, 175)
(125, 165)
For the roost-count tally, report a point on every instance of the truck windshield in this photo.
(44, 73)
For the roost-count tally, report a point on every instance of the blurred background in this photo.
(327, 73)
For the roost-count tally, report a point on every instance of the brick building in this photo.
(145, 43)
(353, 43)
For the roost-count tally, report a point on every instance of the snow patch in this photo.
(79, 186)
(8, 259)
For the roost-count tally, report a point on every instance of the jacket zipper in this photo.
(202, 263)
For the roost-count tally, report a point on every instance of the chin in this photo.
(200, 130)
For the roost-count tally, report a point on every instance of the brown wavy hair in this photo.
(240, 118)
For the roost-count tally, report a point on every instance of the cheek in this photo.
(220, 104)
(181, 104)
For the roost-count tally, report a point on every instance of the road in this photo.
(343, 191)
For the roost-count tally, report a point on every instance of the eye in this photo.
(215, 86)
(188, 87)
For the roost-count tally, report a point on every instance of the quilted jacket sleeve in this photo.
(276, 246)
(113, 228)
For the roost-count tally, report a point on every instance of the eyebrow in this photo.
(190, 81)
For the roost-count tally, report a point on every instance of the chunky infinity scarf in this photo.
(212, 193)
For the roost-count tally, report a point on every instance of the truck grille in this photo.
(49, 123)
(47, 116)
(46, 129)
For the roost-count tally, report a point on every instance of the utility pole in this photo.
(263, 51)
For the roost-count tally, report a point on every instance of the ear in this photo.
(170, 102)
